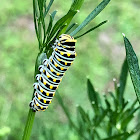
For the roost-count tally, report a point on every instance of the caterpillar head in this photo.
(41, 68)
(67, 40)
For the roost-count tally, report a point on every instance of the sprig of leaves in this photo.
(111, 113)
(46, 34)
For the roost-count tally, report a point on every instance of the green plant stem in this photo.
(29, 125)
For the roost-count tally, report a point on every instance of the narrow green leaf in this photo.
(108, 104)
(91, 29)
(48, 8)
(127, 135)
(83, 114)
(45, 7)
(93, 97)
(114, 99)
(56, 34)
(92, 93)
(133, 66)
(129, 115)
(70, 27)
(50, 24)
(41, 21)
(115, 137)
(36, 15)
(122, 81)
(75, 8)
(65, 20)
(97, 135)
(91, 16)
(81, 126)
(101, 117)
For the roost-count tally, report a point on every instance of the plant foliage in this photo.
(133, 66)
(46, 34)
(109, 116)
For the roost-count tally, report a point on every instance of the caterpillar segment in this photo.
(52, 71)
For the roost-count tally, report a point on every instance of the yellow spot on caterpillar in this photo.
(75, 54)
(56, 49)
(54, 80)
(41, 91)
(37, 86)
(53, 94)
(39, 98)
(58, 59)
(46, 107)
(71, 63)
(44, 101)
(43, 110)
(44, 83)
(51, 87)
(48, 76)
(68, 54)
(62, 68)
(47, 93)
(58, 44)
(51, 60)
(51, 70)
(57, 74)
(39, 110)
(61, 53)
(50, 102)
(43, 71)
(41, 107)
(47, 65)
(65, 63)
(60, 79)
(37, 104)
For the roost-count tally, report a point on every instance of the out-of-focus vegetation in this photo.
(110, 117)
(100, 55)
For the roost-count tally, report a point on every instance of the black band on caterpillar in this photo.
(52, 71)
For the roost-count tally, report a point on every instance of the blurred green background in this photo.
(100, 55)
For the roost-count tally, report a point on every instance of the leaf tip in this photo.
(123, 34)
(77, 105)
(87, 77)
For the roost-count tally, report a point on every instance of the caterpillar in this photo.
(52, 71)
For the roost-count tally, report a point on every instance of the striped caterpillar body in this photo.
(52, 71)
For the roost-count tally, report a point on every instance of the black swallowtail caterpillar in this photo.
(52, 71)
